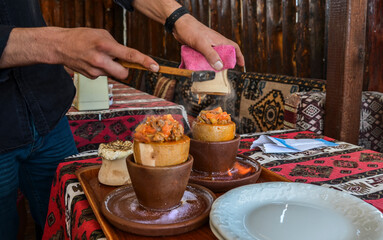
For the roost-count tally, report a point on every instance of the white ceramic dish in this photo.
(293, 211)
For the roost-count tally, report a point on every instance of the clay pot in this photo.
(214, 156)
(159, 188)
(161, 154)
(213, 132)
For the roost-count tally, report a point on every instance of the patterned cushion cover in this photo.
(165, 88)
(371, 121)
(305, 111)
(262, 99)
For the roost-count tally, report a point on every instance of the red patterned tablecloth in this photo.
(130, 107)
(346, 167)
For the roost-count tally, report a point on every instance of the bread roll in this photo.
(213, 132)
(213, 126)
(161, 153)
(160, 141)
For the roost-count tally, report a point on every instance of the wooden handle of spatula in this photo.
(163, 69)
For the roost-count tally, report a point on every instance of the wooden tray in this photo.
(95, 193)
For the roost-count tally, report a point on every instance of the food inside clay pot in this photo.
(160, 141)
(213, 126)
(114, 171)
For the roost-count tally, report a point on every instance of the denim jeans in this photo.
(31, 168)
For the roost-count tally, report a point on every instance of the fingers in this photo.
(239, 56)
(102, 65)
(93, 52)
(93, 72)
(116, 70)
(214, 59)
(104, 60)
(217, 65)
(205, 47)
(135, 56)
(211, 56)
(107, 68)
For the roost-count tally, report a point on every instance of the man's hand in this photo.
(93, 51)
(188, 30)
(88, 51)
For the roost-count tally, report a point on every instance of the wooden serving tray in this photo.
(95, 193)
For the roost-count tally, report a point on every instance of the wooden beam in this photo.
(345, 65)
(373, 78)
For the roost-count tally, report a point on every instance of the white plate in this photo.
(293, 211)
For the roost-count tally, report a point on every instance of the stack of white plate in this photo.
(293, 211)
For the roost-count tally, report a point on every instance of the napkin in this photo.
(194, 60)
(277, 145)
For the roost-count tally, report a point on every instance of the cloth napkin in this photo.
(277, 145)
(194, 60)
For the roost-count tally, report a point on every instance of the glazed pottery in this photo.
(294, 211)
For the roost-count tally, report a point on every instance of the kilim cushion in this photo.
(151, 79)
(165, 88)
(262, 99)
(371, 121)
(305, 111)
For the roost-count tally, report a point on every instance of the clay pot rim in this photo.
(237, 137)
(130, 160)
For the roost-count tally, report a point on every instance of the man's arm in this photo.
(188, 30)
(92, 51)
(85, 50)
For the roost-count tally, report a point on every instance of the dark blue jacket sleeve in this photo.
(4, 35)
(127, 4)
